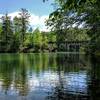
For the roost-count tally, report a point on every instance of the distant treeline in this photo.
(17, 36)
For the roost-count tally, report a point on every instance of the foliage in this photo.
(24, 16)
(71, 21)
(77, 12)
(6, 38)
(44, 40)
(52, 37)
(37, 39)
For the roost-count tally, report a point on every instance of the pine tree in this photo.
(6, 34)
(24, 17)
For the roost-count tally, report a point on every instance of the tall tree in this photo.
(17, 24)
(6, 34)
(24, 16)
(17, 35)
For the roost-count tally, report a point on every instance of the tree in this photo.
(17, 24)
(87, 11)
(6, 34)
(37, 39)
(17, 35)
(0, 28)
(44, 40)
(52, 36)
(24, 17)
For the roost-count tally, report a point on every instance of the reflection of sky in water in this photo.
(76, 82)
(35, 79)
(73, 83)
(45, 81)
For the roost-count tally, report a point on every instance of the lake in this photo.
(49, 76)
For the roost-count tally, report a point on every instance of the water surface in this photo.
(49, 76)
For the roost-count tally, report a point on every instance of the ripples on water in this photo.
(55, 76)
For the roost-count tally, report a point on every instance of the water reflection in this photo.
(55, 76)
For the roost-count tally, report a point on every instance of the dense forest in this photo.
(71, 21)
(17, 36)
(78, 12)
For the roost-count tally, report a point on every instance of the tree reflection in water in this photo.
(55, 76)
(71, 86)
(13, 75)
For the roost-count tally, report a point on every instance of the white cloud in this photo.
(1, 15)
(14, 14)
(34, 20)
(38, 21)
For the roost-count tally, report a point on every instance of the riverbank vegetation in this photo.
(78, 12)
(16, 35)
(71, 21)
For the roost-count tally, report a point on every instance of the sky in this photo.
(38, 9)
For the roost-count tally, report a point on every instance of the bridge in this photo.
(69, 46)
